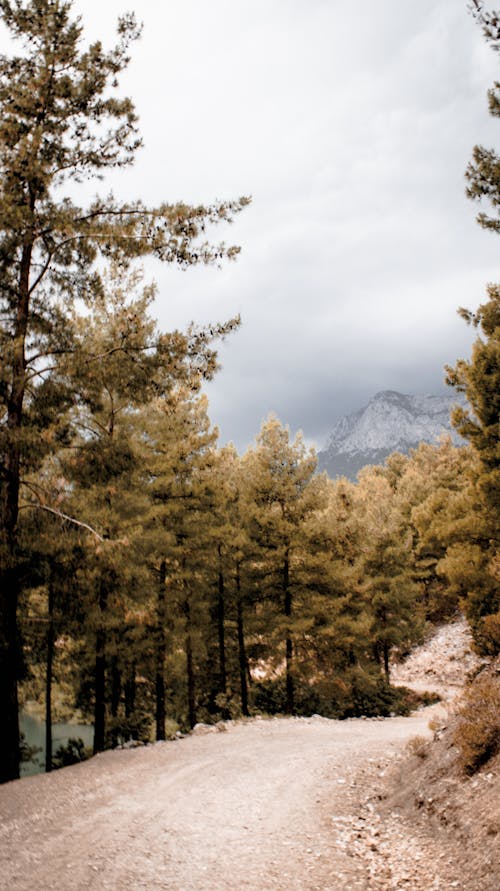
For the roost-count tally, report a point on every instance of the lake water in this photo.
(34, 733)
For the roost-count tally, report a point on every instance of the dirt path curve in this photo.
(258, 807)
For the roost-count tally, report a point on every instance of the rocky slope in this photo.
(422, 825)
(390, 422)
(429, 818)
(442, 663)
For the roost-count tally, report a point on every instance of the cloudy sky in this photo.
(350, 124)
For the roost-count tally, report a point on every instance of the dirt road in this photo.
(263, 806)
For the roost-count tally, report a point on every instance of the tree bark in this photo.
(160, 653)
(9, 670)
(49, 674)
(220, 627)
(10, 657)
(129, 691)
(116, 692)
(190, 667)
(290, 687)
(386, 650)
(242, 656)
(100, 675)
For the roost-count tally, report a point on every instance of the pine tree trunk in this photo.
(220, 628)
(9, 669)
(386, 650)
(242, 656)
(190, 667)
(160, 653)
(129, 691)
(100, 676)
(116, 692)
(10, 657)
(48, 678)
(290, 691)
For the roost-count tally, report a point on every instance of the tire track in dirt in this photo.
(255, 808)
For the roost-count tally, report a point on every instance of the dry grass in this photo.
(419, 746)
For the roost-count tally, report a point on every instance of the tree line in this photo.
(200, 584)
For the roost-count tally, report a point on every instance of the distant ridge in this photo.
(391, 422)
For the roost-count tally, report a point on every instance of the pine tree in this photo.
(434, 498)
(339, 638)
(235, 558)
(220, 545)
(387, 566)
(479, 379)
(178, 457)
(284, 494)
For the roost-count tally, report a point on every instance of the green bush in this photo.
(355, 693)
(28, 753)
(269, 696)
(72, 752)
(371, 696)
(137, 726)
(229, 706)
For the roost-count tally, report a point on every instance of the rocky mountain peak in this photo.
(390, 422)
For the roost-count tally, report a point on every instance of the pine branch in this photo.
(62, 516)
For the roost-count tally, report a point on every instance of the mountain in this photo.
(391, 422)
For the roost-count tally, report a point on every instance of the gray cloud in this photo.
(351, 126)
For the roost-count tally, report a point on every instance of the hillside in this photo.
(430, 817)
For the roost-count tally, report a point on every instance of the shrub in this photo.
(28, 753)
(477, 734)
(489, 634)
(228, 706)
(372, 696)
(72, 753)
(419, 746)
(137, 726)
(354, 693)
(422, 699)
(269, 696)
(171, 728)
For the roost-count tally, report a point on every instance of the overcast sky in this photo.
(351, 125)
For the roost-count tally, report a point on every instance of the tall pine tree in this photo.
(479, 379)
(284, 493)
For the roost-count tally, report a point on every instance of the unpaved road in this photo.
(253, 808)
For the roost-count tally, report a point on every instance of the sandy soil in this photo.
(262, 806)
(283, 804)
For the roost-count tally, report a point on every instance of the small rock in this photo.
(199, 729)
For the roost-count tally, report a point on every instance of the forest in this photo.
(150, 578)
